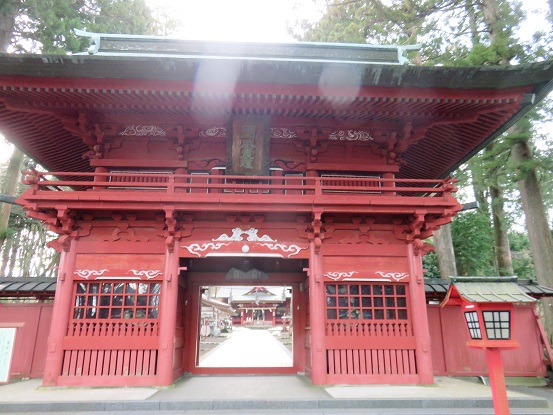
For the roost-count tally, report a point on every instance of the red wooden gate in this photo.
(113, 331)
(369, 335)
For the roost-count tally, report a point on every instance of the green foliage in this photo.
(523, 265)
(47, 25)
(430, 265)
(473, 243)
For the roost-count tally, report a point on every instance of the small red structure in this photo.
(487, 306)
(302, 165)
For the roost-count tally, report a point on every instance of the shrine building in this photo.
(172, 165)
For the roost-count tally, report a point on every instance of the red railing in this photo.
(170, 184)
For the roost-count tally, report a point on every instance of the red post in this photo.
(317, 323)
(60, 317)
(497, 381)
(168, 318)
(420, 318)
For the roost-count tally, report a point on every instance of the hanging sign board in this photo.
(7, 340)
(248, 146)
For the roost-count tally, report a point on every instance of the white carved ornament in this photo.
(143, 130)
(238, 235)
(291, 250)
(282, 133)
(251, 233)
(87, 273)
(398, 276)
(351, 135)
(149, 274)
(278, 132)
(339, 275)
(214, 132)
(196, 249)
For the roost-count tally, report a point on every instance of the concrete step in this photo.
(528, 405)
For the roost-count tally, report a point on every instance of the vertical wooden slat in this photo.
(387, 361)
(153, 362)
(363, 362)
(399, 356)
(79, 363)
(343, 362)
(337, 362)
(125, 365)
(65, 366)
(113, 363)
(120, 361)
(330, 357)
(355, 356)
(140, 363)
(132, 362)
(86, 363)
(349, 359)
(393, 362)
(412, 363)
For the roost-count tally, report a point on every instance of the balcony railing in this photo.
(193, 183)
(295, 191)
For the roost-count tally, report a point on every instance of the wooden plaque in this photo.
(248, 146)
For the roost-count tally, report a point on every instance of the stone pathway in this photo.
(248, 348)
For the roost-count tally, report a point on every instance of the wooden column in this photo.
(317, 323)
(168, 317)
(60, 317)
(419, 318)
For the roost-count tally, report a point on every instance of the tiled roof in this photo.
(41, 286)
(439, 287)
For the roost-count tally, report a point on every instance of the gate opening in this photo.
(248, 326)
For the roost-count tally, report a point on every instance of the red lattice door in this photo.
(369, 335)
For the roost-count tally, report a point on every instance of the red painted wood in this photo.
(30, 341)
(60, 318)
(497, 382)
(419, 319)
(462, 361)
(168, 318)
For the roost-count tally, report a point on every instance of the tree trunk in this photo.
(9, 187)
(502, 250)
(478, 187)
(443, 245)
(539, 233)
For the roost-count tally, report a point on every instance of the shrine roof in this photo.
(27, 287)
(486, 289)
(454, 112)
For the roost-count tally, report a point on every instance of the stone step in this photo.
(530, 405)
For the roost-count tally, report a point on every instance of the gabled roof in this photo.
(450, 113)
(488, 290)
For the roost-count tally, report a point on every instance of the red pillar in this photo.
(168, 318)
(419, 318)
(497, 381)
(60, 317)
(317, 323)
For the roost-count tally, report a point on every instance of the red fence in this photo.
(451, 356)
(29, 353)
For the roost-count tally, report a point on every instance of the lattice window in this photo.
(116, 300)
(370, 301)
(473, 324)
(497, 324)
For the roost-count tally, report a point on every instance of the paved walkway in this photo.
(241, 395)
(248, 348)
